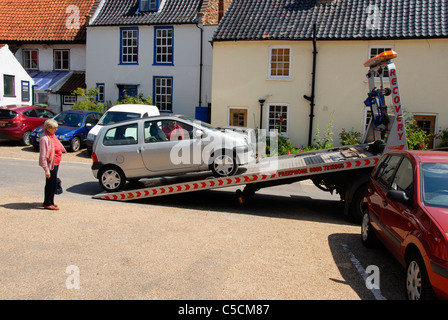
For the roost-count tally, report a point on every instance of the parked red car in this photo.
(406, 208)
(17, 122)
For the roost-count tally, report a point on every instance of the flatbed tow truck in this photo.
(345, 170)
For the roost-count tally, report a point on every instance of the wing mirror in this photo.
(399, 196)
(198, 133)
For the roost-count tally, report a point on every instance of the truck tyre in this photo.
(356, 213)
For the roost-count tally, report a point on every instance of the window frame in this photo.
(151, 5)
(279, 77)
(101, 92)
(156, 61)
(370, 55)
(28, 66)
(122, 30)
(71, 102)
(13, 87)
(61, 67)
(284, 133)
(156, 96)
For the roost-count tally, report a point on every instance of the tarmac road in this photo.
(290, 242)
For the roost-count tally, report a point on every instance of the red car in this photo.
(17, 122)
(406, 208)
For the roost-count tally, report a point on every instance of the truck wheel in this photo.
(356, 212)
(112, 179)
(223, 164)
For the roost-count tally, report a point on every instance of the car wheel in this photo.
(368, 236)
(75, 144)
(223, 164)
(417, 286)
(112, 179)
(26, 141)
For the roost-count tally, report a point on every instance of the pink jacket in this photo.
(46, 157)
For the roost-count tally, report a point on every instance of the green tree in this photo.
(138, 99)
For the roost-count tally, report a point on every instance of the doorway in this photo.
(427, 123)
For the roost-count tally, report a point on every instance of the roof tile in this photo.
(43, 20)
(337, 19)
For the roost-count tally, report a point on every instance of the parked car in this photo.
(406, 208)
(146, 147)
(17, 122)
(74, 126)
(119, 113)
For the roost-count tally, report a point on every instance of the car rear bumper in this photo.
(96, 166)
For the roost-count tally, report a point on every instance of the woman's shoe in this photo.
(51, 207)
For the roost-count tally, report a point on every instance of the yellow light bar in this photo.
(383, 56)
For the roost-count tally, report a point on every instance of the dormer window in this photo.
(149, 5)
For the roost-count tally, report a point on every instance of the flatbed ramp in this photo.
(296, 166)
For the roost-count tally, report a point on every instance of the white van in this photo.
(119, 113)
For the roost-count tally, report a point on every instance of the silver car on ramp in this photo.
(167, 145)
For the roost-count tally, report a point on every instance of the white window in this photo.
(280, 63)
(278, 118)
(61, 60)
(69, 99)
(30, 59)
(163, 93)
(163, 45)
(375, 51)
(129, 46)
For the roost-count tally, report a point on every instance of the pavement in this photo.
(191, 246)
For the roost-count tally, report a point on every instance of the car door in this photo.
(32, 119)
(380, 185)
(159, 154)
(397, 215)
(120, 146)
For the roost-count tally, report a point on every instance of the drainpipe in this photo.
(200, 27)
(313, 86)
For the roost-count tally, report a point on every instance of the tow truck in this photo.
(345, 170)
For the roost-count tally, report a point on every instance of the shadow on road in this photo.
(351, 256)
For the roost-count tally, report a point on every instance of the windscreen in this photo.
(111, 117)
(435, 184)
(69, 119)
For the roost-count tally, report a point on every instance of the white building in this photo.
(16, 85)
(155, 48)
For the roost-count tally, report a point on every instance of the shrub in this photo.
(349, 138)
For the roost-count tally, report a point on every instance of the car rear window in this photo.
(7, 114)
(117, 116)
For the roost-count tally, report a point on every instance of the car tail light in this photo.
(18, 119)
(94, 157)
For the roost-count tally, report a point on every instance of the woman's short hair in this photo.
(50, 124)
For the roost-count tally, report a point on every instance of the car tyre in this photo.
(112, 179)
(417, 283)
(26, 140)
(75, 144)
(368, 236)
(223, 164)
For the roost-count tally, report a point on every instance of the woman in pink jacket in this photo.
(50, 157)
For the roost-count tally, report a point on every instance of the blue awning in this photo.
(49, 80)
